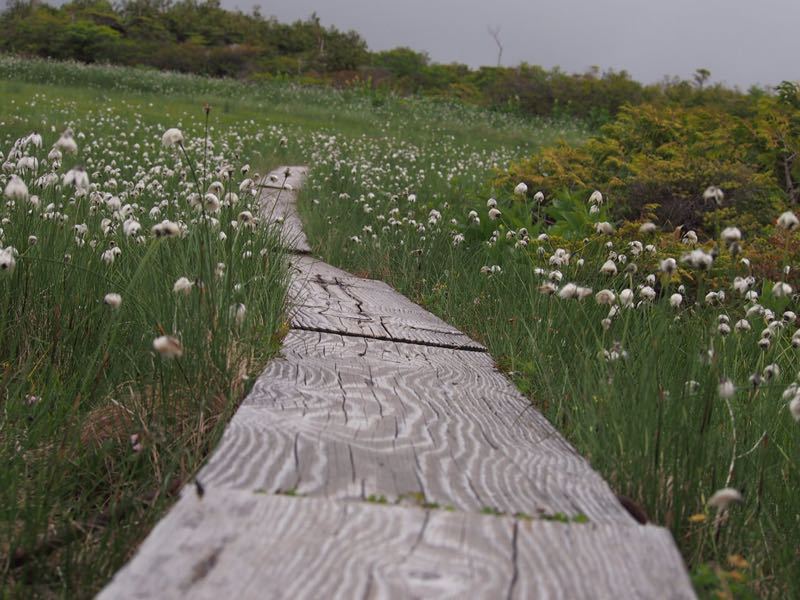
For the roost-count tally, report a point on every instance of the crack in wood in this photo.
(384, 338)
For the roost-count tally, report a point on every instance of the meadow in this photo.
(139, 292)
(664, 357)
(669, 360)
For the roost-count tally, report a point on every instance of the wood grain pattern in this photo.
(243, 545)
(368, 308)
(278, 206)
(347, 417)
(306, 267)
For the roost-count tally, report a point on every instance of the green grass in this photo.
(98, 432)
(621, 395)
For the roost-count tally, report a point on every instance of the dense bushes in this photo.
(201, 37)
(187, 36)
(661, 159)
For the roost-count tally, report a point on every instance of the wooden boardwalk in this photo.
(383, 455)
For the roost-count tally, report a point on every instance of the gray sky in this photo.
(741, 42)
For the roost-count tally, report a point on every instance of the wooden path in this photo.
(383, 455)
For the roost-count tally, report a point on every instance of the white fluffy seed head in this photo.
(168, 346)
(722, 499)
(788, 221)
(726, 389)
(609, 268)
(172, 137)
(794, 408)
(183, 286)
(113, 300)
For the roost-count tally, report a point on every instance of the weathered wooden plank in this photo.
(368, 308)
(347, 417)
(278, 206)
(243, 545)
(304, 267)
(598, 561)
(286, 177)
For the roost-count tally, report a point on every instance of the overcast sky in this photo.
(742, 42)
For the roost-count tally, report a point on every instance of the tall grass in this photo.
(99, 429)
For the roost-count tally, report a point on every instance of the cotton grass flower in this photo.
(723, 498)
(731, 234)
(788, 221)
(521, 189)
(604, 227)
(690, 237)
(609, 268)
(494, 214)
(172, 137)
(626, 298)
(66, 143)
(726, 389)
(714, 194)
(183, 286)
(76, 177)
(16, 189)
(113, 300)
(605, 297)
(668, 266)
(168, 346)
(647, 228)
(131, 228)
(794, 408)
(7, 259)
(238, 313)
(166, 229)
(648, 293)
(596, 198)
(698, 259)
(675, 300)
(781, 290)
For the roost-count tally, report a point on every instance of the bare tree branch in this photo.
(495, 33)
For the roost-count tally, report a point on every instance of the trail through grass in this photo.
(126, 342)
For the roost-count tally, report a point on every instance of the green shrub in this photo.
(669, 156)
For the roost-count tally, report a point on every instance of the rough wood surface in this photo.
(290, 178)
(349, 417)
(367, 308)
(375, 398)
(278, 206)
(243, 545)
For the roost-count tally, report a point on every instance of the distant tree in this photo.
(701, 76)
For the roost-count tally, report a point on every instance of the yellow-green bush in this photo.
(669, 156)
